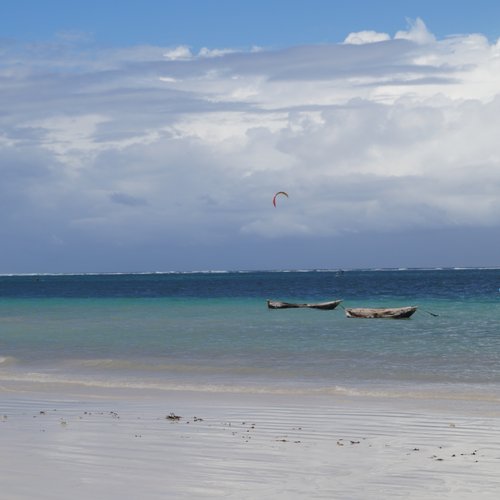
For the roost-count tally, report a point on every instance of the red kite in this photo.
(279, 192)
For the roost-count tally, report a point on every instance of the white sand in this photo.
(240, 446)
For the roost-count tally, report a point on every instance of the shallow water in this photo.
(214, 331)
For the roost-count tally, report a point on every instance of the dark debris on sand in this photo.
(173, 417)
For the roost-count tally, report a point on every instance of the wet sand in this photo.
(129, 445)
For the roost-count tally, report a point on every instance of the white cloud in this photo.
(178, 53)
(362, 37)
(417, 33)
(65, 135)
(205, 52)
(149, 140)
(168, 79)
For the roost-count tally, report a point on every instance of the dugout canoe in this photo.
(326, 306)
(389, 313)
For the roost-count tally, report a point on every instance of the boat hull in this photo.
(386, 313)
(325, 306)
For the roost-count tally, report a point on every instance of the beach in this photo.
(186, 444)
(185, 386)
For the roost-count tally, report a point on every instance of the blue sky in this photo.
(152, 136)
(272, 23)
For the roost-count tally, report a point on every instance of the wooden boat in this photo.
(326, 306)
(390, 313)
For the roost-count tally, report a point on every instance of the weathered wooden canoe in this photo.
(327, 306)
(390, 313)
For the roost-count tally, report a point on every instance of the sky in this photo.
(153, 135)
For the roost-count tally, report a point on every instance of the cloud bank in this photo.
(159, 145)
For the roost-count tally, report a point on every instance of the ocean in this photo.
(212, 331)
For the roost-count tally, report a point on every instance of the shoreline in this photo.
(130, 444)
(434, 393)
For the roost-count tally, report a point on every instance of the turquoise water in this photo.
(213, 331)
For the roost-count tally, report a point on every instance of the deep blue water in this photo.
(411, 284)
(214, 330)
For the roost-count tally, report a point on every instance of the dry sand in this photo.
(112, 445)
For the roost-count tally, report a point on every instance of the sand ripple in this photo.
(235, 447)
